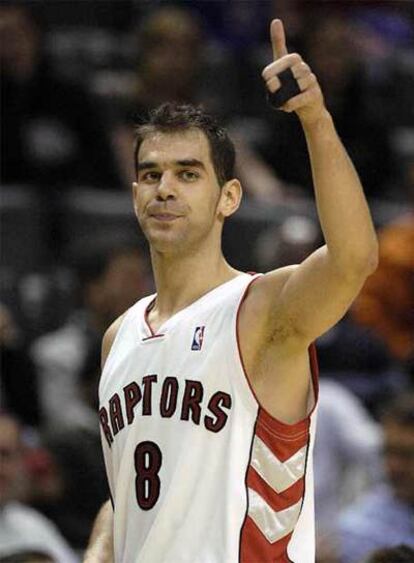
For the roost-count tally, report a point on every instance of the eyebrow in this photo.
(192, 162)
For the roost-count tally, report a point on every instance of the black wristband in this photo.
(288, 89)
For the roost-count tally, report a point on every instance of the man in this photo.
(384, 517)
(209, 387)
(23, 529)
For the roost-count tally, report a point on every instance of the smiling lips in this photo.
(164, 216)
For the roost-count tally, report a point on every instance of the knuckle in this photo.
(273, 85)
(266, 71)
(295, 58)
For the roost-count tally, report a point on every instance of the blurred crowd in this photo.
(74, 79)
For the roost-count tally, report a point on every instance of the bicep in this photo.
(315, 296)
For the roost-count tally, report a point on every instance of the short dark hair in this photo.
(172, 117)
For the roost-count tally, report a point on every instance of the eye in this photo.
(150, 177)
(189, 175)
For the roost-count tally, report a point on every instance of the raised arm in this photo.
(306, 300)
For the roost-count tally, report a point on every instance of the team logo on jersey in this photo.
(198, 338)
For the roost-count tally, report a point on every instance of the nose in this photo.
(166, 187)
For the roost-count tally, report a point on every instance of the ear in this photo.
(230, 198)
(134, 196)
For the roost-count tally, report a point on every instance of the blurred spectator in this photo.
(295, 238)
(18, 378)
(175, 62)
(77, 454)
(384, 35)
(357, 358)
(52, 133)
(398, 554)
(386, 302)
(113, 274)
(29, 557)
(22, 528)
(346, 459)
(332, 54)
(329, 50)
(369, 356)
(384, 517)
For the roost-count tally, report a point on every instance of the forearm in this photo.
(343, 210)
(100, 547)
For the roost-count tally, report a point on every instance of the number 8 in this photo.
(148, 460)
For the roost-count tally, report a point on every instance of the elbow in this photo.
(364, 265)
(367, 254)
(372, 257)
(360, 264)
(373, 260)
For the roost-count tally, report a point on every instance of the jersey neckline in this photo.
(174, 319)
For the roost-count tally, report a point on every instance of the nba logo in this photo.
(198, 338)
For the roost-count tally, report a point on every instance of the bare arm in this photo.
(313, 296)
(100, 547)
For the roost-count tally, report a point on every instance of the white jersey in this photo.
(198, 471)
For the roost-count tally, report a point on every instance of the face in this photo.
(399, 458)
(10, 458)
(178, 201)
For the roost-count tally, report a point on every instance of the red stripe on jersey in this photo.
(256, 549)
(284, 441)
(275, 500)
(282, 446)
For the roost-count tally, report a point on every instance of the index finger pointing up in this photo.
(277, 35)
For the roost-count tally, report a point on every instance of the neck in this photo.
(181, 280)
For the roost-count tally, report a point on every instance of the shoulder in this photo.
(270, 284)
(109, 338)
(262, 299)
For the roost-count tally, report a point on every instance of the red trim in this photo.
(277, 501)
(146, 321)
(256, 549)
(266, 417)
(242, 535)
(153, 337)
(283, 446)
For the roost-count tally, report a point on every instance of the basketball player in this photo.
(209, 387)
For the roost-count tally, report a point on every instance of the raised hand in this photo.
(309, 104)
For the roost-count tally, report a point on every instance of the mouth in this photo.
(164, 217)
